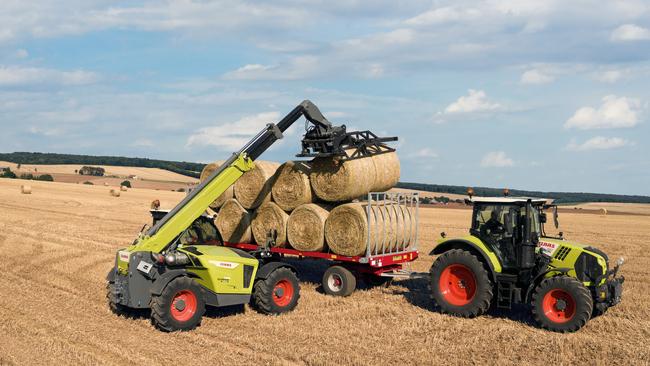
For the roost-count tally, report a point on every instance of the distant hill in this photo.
(559, 197)
(184, 168)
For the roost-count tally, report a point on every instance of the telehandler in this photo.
(176, 278)
(508, 258)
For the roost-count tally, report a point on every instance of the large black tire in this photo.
(117, 309)
(339, 281)
(180, 306)
(562, 304)
(277, 294)
(460, 284)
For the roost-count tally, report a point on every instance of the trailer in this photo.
(381, 261)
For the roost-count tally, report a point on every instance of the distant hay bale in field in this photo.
(270, 217)
(291, 187)
(25, 189)
(155, 204)
(334, 180)
(228, 194)
(105, 184)
(387, 167)
(123, 188)
(254, 187)
(603, 211)
(234, 222)
(114, 192)
(306, 227)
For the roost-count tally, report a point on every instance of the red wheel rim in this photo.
(282, 293)
(457, 284)
(183, 306)
(559, 306)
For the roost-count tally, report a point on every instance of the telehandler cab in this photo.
(508, 258)
(169, 271)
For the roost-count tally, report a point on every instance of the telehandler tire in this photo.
(277, 294)
(118, 309)
(562, 304)
(180, 306)
(460, 284)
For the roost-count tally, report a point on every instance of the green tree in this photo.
(126, 183)
(45, 177)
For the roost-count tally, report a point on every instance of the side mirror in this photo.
(555, 220)
(542, 217)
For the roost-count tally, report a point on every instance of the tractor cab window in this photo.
(495, 226)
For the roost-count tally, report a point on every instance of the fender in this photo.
(540, 276)
(159, 285)
(265, 270)
(464, 243)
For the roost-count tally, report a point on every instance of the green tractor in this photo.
(508, 259)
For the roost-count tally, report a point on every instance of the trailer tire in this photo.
(180, 306)
(339, 281)
(460, 284)
(278, 293)
(562, 304)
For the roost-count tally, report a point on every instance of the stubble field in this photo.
(59, 242)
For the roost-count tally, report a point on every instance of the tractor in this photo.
(507, 258)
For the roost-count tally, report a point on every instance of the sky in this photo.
(541, 95)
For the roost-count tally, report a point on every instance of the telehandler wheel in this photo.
(180, 306)
(117, 309)
(460, 285)
(278, 293)
(562, 304)
(339, 281)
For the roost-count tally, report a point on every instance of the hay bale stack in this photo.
(306, 227)
(291, 187)
(234, 222)
(269, 216)
(123, 188)
(114, 192)
(25, 189)
(334, 180)
(228, 194)
(254, 187)
(387, 167)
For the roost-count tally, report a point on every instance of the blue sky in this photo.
(548, 95)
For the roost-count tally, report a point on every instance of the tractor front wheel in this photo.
(278, 293)
(180, 306)
(460, 285)
(562, 304)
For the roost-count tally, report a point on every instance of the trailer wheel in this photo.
(339, 281)
(180, 306)
(278, 293)
(562, 304)
(460, 285)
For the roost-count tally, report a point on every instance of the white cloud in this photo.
(232, 136)
(426, 153)
(298, 67)
(475, 101)
(536, 76)
(611, 76)
(21, 53)
(598, 143)
(17, 76)
(614, 112)
(496, 159)
(630, 32)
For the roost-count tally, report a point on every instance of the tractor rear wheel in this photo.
(460, 285)
(562, 304)
(180, 306)
(278, 293)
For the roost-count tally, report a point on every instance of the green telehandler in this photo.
(508, 259)
(176, 278)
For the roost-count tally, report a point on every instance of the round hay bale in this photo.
(114, 192)
(306, 227)
(227, 194)
(387, 167)
(346, 229)
(234, 222)
(334, 180)
(25, 189)
(291, 187)
(603, 211)
(269, 216)
(123, 188)
(254, 187)
(383, 236)
(105, 184)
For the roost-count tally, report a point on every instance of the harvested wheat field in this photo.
(59, 242)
